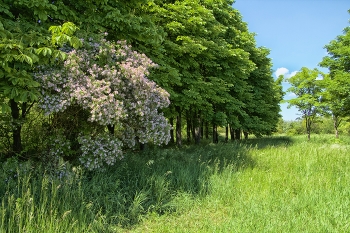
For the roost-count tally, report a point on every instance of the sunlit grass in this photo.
(276, 184)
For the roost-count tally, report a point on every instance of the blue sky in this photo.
(295, 31)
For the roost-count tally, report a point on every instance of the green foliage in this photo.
(323, 125)
(336, 84)
(262, 109)
(204, 51)
(25, 44)
(306, 86)
(210, 55)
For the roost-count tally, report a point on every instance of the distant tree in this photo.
(308, 95)
(337, 83)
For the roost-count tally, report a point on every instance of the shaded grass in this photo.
(156, 181)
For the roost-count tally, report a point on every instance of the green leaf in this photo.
(76, 43)
(14, 93)
(55, 29)
(43, 16)
(44, 51)
(33, 97)
(24, 96)
(5, 108)
(22, 57)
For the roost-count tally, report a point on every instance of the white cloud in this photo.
(285, 72)
(281, 71)
(292, 74)
(320, 77)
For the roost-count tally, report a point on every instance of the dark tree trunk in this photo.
(197, 128)
(142, 146)
(110, 129)
(202, 129)
(206, 131)
(226, 133)
(171, 121)
(232, 133)
(245, 135)
(193, 129)
(178, 127)
(237, 134)
(16, 132)
(188, 128)
(215, 134)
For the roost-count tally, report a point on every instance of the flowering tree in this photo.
(109, 81)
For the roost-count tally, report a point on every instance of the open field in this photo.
(277, 184)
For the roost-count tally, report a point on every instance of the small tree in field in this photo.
(308, 95)
(106, 85)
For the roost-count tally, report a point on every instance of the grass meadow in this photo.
(275, 184)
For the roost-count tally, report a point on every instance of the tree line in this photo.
(87, 74)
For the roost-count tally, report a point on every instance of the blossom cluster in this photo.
(59, 146)
(109, 80)
(103, 149)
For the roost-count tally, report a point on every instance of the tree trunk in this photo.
(226, 133)
(308, 128)
(336, 123)
(178, 127)
(215, 134)
(16, 132)
(237, 134)
(232, 132)
(188, 128)
(142, 146)
(193, 128)
(245, 135)
(202, 129)
(206, 131)
(197, 128)
(336, 133)
(110, 129)
(171, 121)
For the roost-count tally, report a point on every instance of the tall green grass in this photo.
(276, 184)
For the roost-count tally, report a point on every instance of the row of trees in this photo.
(193, 65)
(319, 94)
(323, 125)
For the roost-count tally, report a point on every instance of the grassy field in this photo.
(277, 184)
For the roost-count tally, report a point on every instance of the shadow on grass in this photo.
(151, 180)
(272, 141)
